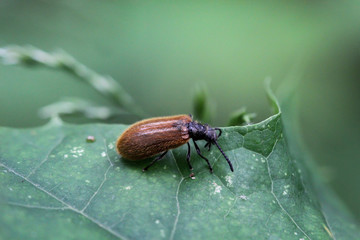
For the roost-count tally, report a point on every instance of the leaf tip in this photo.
(271, 96)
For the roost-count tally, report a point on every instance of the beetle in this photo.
(158, 135)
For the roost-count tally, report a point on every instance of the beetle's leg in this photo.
(154, 161)
(188, 156)
(199, 152)
(208, 144)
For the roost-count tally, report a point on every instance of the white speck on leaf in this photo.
(110, 145)
(10, 189)
(157, 221)
(29, 196)
(128, 187)
(229, 181)
(295, 233)
(174, 175)
(218, 188)
(103, 154)
(66, 156)
(76, 150)
(87, 181)
(285, 192)
(243, 197)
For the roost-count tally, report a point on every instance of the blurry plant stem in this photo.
(106, 85)
(70, 106)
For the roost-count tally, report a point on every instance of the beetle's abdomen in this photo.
(152, 136)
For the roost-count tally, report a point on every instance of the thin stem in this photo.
(106, 85)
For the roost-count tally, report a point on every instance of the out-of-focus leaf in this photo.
(201, 104)
(241, 117)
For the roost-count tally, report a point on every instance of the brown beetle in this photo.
(152, 136)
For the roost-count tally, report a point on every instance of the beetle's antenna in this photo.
(220, 131)
(227, 159)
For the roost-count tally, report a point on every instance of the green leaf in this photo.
(202, 106)
(56, 185)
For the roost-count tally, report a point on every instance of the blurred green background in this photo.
(159, 51)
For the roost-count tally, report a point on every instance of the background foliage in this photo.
(159, 52)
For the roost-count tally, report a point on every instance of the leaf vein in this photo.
(101, 225)
(47, 156)
(36, 207)
(97, 190)
(103, 181)
(177, 200)
(276, 198)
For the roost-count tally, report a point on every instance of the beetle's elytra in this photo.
(153, 136)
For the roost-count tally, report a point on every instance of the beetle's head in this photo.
(210, 134)
(199, 131)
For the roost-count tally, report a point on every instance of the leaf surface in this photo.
(56, 185)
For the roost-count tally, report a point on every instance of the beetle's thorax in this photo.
(198, 131)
